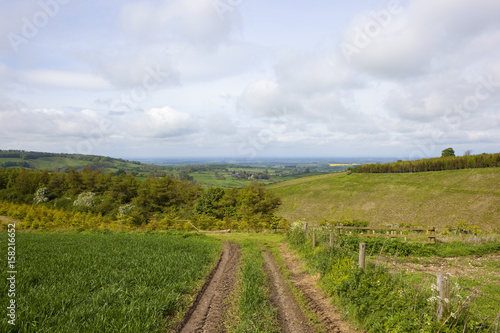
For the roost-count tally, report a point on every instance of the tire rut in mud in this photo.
(316, 300)
(290, 315)
(208, 311)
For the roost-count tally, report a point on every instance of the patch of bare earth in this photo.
(317, 301)
(209, 308)
(6, 219)
(290, 315)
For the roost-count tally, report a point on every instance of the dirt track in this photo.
(317, 301)
(207, 313)
(209, 310)
(290, 316)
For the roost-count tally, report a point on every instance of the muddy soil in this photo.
(207, 313)
(290, 315)
(317, 301)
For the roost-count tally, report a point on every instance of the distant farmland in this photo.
(342, 164)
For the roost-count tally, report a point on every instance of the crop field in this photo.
(106, 282)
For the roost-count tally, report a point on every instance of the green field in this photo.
(439, 199)
(105, 282)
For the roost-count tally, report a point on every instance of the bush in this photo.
(353, 223)
(42, 195)
(85, 199)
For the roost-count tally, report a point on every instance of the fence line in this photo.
(441, 279)
(430, 232)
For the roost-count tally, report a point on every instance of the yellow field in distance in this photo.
(342, 164)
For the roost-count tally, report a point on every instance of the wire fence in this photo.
(460, 293)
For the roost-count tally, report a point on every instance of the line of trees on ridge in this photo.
(433, 164)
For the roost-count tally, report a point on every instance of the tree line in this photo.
(28, 159)
(164, 202)
(433, 164)
(33, 155)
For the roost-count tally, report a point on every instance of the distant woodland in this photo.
(44, 199)
(433, 164)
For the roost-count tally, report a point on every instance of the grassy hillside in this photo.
(63, 162)
(425, 199)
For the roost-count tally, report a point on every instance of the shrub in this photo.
(85, 199)
(41, 195)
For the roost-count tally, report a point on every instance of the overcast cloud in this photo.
(249, 79)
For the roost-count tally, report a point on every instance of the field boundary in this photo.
(403, 232)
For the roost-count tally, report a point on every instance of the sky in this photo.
(250, 79)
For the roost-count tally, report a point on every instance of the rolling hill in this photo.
(63, 162)
(440, 199)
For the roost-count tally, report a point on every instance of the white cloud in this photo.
(129, 65)
(227, 60)
(51, 123)
(8, 105)
(262, 97)
(196, 21)
(425, 30)
(162, 122)
(310, 86)
(63, 79)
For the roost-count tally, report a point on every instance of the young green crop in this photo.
(106, 282)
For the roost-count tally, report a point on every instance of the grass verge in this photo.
(378, 300)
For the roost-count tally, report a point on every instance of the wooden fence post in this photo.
(362, 255)
(432, 237)
(331, 239)
(443, 286)
(313, 238)
(305, 229)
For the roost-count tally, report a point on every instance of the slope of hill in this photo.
(440, 199)
(63, 162)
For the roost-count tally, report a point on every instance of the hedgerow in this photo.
(433, 164)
